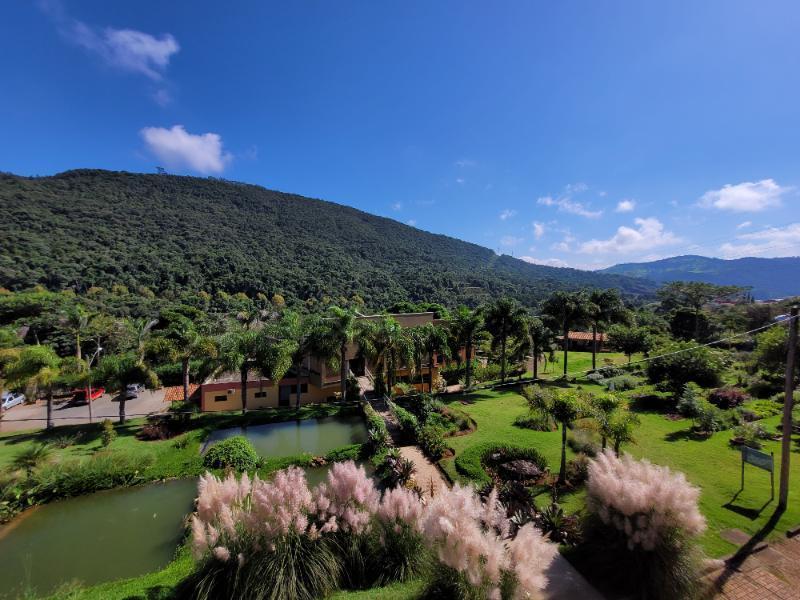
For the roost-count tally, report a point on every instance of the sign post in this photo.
(762, 460)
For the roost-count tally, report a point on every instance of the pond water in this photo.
(315, 436)
(94, 538)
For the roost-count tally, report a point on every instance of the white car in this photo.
(11, 399)
(132, 390)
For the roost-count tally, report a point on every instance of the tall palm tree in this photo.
(182, 342)
(236, 352)
(604, 406)
(565, 408)
(275, 345)
(339, 329)
(118, 371)
(75, 321)
(605, 307)
(541, 342)
(304, 332)
(435, 343)
(38, 367)
(566, 309)
(387, 346)
(466, 326)
(620, 428)
(505, 319)
(141, 330)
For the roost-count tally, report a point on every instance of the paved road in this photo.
(34, 416)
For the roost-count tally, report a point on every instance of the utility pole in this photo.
(788, 401)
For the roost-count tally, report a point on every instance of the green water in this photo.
(315, 436)
(95, 538)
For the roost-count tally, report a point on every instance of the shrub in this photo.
(376, 427)
(108, 434)
(584, 441)
(236, 453)
(689, 402)
(578, 469)
(710, 419)
(534, 420)
(558, 525)
(610, 371)
(488, 372)
(678, 363)
(763, 388)
(65, 441)
(727, 397)
(642, 529)
(595, 376)
(431, 439)
(471, 462)
(621, 383)
(154, 430)
(408, 422)
(762, 409)
(750, 434)
(781, 396)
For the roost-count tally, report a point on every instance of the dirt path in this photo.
(428, 475)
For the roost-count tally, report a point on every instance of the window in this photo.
(260, 395)
(222, 398)
(303, 388)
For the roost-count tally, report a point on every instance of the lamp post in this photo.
(89, 394)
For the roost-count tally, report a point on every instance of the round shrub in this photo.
(471, 463)
(727, 397)
(233, 453)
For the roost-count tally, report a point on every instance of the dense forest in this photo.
(767, 277)
(167, 234)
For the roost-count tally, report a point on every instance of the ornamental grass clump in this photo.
(281, 539)
(642, 527)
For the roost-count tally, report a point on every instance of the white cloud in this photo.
(178, 148)
(127, 49)
(162, 97)
(772, 241)
(460, 180)
(648, 234)
(626, 205)
(507, 214)
(510, 240)
(567, 205)
(561, 246)
(575, 188)
(465, 162)
(745, 197)
(549, 262)
(538, 230)
(397, 206)
(744, 225)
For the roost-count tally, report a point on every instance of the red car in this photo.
(82, 395)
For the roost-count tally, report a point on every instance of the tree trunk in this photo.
(696, 324)
(243, 374)
(562, 474)
(78, 346)
(594, 346)
(617, 444)
(343, 371)
(566, 347)
(430, 373)
(535, 362)
(469, 363)
(297, 373)
(604, 442)
(185, 365)
(50, 423)
(122, 398)
(503, 359)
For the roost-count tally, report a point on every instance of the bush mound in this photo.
(471, 463)
(727, 397)
(235, 453)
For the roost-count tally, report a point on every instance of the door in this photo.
(284, 395)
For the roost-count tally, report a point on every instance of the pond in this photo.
(287, 438)
(95, 538)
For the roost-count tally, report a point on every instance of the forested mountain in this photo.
(769, 277)
(167, 233)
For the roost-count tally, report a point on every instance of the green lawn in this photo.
(710, 464)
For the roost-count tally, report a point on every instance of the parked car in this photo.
(133, 389)
(82, 394)
(12, 399)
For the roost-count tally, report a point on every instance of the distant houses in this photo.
(582, 341)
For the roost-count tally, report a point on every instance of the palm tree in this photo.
(304, 332)
(118, 371)
(466, 326)
(75, 321)
(141, 331)
(31, 457)
(604, 407)
(182, 342)
(565, 409)
(605, 307)
(339, 330)
(566, 309)
(504, 319)
(387, 346)
(620, 428)
(275, 346)
(541, 342)
(434, 342)
(236, 352)
(38, 367)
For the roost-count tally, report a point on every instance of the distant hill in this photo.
(168, 233)
(769, 277)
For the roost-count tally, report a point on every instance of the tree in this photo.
(541, 342)
(118, 371)
(434, 343)
(619, 428)
(629, 339)
(338, 332)
(504, 320)
(303, 331)
(75, 321)
(236, 352)
(604, 406)
(275, 345)
(677, 363)
(141, 331)
(466, 326)
(38, 367)
(386, 344)
(182, 342)
(566, 309)
(605, 307)
(694, 295)
(565, 408)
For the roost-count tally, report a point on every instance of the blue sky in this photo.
(567, 133)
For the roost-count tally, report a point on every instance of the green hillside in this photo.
(88, 228)
(768, 277)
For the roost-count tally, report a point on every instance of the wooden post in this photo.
(788, 401)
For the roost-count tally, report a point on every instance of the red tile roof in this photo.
(585, 336)
(174, 393)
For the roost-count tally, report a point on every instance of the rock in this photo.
(519, 469)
